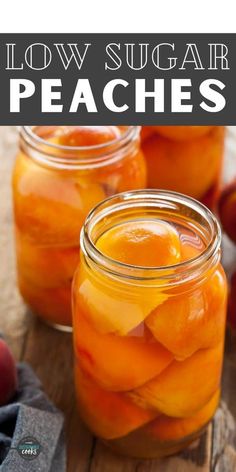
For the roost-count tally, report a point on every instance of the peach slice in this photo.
(107, 304)
(165, 435)
(109, 415)
(50, 207)
(46, 266)
(142, 243)
(166, 428)
(118, 363)
(115, 307)
(51, 304)
(132, 173)
(176, 165)
(192, 321)
(182, 133)
(184, 387)
(128, 173)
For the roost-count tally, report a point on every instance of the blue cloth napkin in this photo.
(31, 429)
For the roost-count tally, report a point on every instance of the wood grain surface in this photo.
(50, 354)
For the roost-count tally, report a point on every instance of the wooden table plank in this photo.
(223, 454)
(13, 322)
(50, 354)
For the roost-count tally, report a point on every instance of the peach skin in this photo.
(227, 210)
(232, 303)
(8, 374)
(146, 132)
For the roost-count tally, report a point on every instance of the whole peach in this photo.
(8, 376)
(232, 303)
(147, 131)
(227, 210)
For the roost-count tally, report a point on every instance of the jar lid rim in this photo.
(76, 157)
(28, 130)
(211, 249)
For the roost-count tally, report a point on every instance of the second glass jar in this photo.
(60, 173)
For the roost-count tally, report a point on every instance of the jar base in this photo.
(150, 450)
(58, 327)
(46, 317)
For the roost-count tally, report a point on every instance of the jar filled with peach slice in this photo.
(186, 159)
(60, 173)
(149, 305)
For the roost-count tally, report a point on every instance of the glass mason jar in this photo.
(60, 173)
(186, 159)
(148, 340)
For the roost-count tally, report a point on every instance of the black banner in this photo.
(169, 79)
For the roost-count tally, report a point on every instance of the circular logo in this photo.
(29, 448)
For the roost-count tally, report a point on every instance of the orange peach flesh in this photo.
(142, 243)
(165, 435)
(104, 357)
(185, 324)
(184, 387)
(108, 414)
(168, 429)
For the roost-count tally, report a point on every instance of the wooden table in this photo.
(50, 354)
